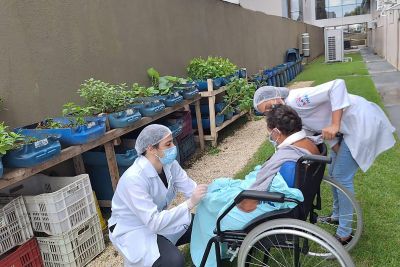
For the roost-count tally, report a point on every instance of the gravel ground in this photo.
(231, 155)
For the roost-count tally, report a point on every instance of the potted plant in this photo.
(77, 126)
(238, 97)
(218, 69)
(166, 87)
(25, 151)
(143, 99)
(110, 99)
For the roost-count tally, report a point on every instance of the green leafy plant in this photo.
(239, 94)
(105, 97)
(212, 67)
(77, 114)
(138, 91)
(164, 84)
(50, 123)
(8, 140)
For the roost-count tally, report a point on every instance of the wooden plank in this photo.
(199, 125)
(213, 92)
(79, 165)
(112, 163)
(11, 176)
(211, 106)
(226, 123)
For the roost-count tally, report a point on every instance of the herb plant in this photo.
(239, 94)
(210, 68)
(164, 84)
(8, 140)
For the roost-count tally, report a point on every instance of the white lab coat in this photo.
(366, 129)
(139, 211)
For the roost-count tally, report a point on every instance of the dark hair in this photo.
(155, 146)
(284, 118)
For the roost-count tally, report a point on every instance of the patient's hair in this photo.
(284, 118)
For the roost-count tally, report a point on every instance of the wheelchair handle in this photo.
(260, 195)
(316, 158)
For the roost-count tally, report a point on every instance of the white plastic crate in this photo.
(15, 227)
(55, 205)
(75, 248)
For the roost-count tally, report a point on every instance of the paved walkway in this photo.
(387, 82)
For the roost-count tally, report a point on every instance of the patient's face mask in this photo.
(272, 134)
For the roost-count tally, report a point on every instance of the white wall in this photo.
(270, 7)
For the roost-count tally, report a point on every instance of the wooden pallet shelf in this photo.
(12, 176)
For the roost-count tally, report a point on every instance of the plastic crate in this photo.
(27, 255)
(29, 155)
(15, 227)
(55, 204)
(75, 248)
(187, 147)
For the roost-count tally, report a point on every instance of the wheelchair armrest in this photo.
(260, 195)
(315, 158)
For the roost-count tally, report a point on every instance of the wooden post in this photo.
(112, 163)
(211, 105)
(79, 166)
(199, 124)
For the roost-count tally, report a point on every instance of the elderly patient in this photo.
(275, 175)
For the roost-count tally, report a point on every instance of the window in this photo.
(296, 10)
(326, 9)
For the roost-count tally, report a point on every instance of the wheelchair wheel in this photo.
(287, 242)
(327, 203)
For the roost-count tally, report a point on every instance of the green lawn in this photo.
(378, 190)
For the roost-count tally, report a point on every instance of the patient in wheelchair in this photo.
(277, 174)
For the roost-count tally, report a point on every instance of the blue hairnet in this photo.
(266, 93)
(150, 136)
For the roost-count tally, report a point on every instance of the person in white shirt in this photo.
(328, 109)
(141, 227)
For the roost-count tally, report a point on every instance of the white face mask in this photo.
(273, 142)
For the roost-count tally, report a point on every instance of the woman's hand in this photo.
(329, 133)
(248, 205)
(197, 195)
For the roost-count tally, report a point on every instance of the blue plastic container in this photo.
(228, 116)
(202, 85)
(97, 168)
(32, 154)
(95, 127)
(217, 82)
(124, 118)
(171, 99)
(1, 167)
(188, 91)
(219, 120)
(175, 125)
(149, 108)
(204, 109)
(242, 73)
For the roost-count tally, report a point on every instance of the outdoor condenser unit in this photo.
(334, 45)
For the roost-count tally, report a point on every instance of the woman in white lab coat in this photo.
(329, 108)
(141, 227)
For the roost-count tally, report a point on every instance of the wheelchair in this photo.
(283, 237)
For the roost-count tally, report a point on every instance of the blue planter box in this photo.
(124, 118)
(202, 85)
(188, 91)
(219, 119)
(97, 168)
(32, 154)
(176, 126)
(228, 116)
(217, 83)
(242, 73)
(150, 108)
(94, 128)
(171, 99)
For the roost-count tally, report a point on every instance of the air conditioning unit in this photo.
(334, 50)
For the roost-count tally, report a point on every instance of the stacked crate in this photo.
(18, 247)
(63, 215)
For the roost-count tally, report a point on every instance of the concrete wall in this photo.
(385, 37)
(48, 48)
